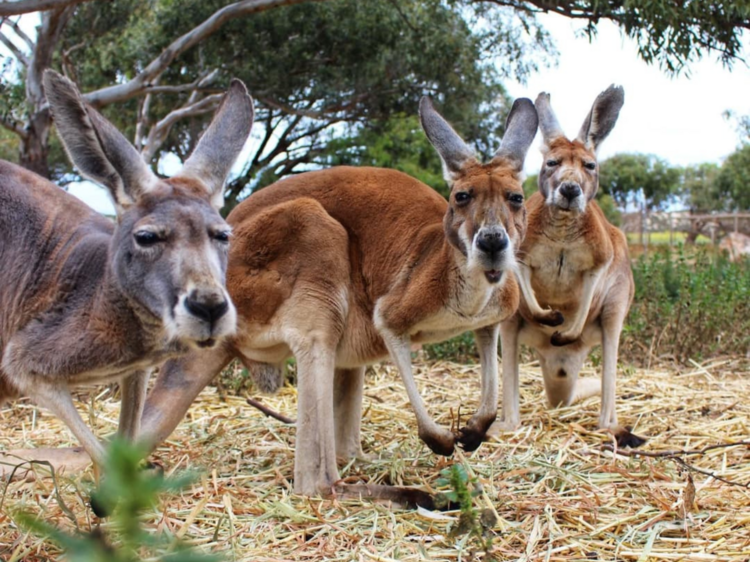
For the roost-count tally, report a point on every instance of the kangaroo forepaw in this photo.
(442, 443)
(560, 340)
(550, 318)
(469, 439)
(475, 432)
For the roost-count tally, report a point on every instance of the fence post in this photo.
(671, 229)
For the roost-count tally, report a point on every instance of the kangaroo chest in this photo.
(557, 271)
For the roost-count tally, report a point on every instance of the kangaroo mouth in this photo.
(210, 342)
(493, 275)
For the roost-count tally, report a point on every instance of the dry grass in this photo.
(558, 494)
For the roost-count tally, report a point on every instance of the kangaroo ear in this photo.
(548, 124)
(94, 145)
(520, 130)
(222, 142)
(453, 151)
(602, 117)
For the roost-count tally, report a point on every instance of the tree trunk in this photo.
(34, 149)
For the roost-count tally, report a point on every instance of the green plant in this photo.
(126, 492)
(688, 304)
(471, 521)
(460, 349)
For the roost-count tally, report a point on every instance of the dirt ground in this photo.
(557, 490)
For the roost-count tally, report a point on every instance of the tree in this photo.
(318, 72)
(733, 181)
(643, 180)
(163, 64)
(668, 32)
(31, 122)
(701, 190)
(397, 143)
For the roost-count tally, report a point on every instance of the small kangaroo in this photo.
(84, 300)
(573, 265)
(347, 266)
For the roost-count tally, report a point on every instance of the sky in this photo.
(679, 119)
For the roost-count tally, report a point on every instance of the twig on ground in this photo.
(269, 412)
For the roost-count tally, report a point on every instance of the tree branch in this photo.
(20, 32)
(13, 126)
(677, 455)
(20, 55)
(269, 412)
(155, 68)
(159, 132)
(18, 7)
(49, 35)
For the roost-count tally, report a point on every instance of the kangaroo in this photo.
(84, 300)
(347, 266)
(574, 273)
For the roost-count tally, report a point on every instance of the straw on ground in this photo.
(558, 491)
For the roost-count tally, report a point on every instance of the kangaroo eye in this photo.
(462, 197)
(221, 236)
(516, 198)
(552, 163)
(589, 165)
(146, 238)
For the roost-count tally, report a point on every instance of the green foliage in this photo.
(688, 305)
(641, 179)
(326, 76)
(463, 489)
(398, 143)
(733, 180)
(701, 190)
(670, 33)
(461, 348)
(127, 492)
(609, 208)
(530, 185)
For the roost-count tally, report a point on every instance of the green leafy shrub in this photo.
(471, 521)
(688, 304)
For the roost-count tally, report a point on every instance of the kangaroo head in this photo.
(569, 178)
(486, 219)
(168, 254)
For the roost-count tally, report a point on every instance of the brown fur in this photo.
(343, 267)
(573, 263)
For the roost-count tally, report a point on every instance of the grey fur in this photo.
(520, 130)
(602, 118)
(83, 300)
(222, 142)
(548, 123)
(269, 378)
(98, 150)
(453, 151)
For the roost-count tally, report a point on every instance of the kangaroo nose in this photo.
(492, 241)
(570, 190)
(208, 308)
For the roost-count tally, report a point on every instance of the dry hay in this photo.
(558, 494)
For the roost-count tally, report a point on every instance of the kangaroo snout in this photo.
(570, 190)
(492, 240)
(207, 306)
